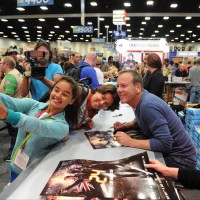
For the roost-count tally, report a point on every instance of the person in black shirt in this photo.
(154, 81)
(181, 71)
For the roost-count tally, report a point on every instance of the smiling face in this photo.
(101, 101)
(128, 92)
(61, 96)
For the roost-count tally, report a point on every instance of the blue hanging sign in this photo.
(22, 3)
(82, 29)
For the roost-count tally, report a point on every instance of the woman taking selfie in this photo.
(40, 124)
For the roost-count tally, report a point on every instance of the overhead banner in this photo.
(83, 29)
(119, 17)
(22, 3)
(98, 40)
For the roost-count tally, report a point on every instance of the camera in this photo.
(32, 57)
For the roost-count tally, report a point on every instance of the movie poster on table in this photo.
(121, 179)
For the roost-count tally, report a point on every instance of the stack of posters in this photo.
(120, 179)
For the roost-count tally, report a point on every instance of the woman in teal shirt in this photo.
(40, 124)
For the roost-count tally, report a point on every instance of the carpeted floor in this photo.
(4, 146)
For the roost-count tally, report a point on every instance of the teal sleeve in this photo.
(13, 117)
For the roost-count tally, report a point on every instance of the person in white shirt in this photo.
(100, 75)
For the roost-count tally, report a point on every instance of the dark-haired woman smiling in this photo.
(154, 83)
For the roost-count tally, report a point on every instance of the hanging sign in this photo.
(83, 29)
(119, 17)
(21, 3)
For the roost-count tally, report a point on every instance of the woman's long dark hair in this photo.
(71, 111)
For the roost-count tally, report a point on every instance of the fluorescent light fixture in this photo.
(106, 26)
(156, 31)
(189, 31)
(93, 3)
(61, 19)
(13, 33)
(153, 35)
(39, 27)
(147, 18)
(39, 31)
(4, 20)
(171, 31)
(67, 31)
(24, 27)
(150, 3)
(182, 35)
(5, 36)
(198, 26)
(174, 5)
(172, 40)
(42, 20)
(128, 25)
(101, 19)
(160, 26)
(178, 25)
(176, 38)
(20, 9)
(188, 17)
(56, 26)
(68, 5)
(144, 23)
(128, 30)
(142, 29)
(167, 35)
(1, 32)
(26, 31)
(187, 38)
(127, 18)
(89, 23)
(21, 20)
(127, 4)
(181, 41)
(165, 18)
(52, 31)
(43, 8)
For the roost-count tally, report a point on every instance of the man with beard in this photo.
(39, 85)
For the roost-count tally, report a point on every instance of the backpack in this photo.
(75, 72)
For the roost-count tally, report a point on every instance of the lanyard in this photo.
(28, 135)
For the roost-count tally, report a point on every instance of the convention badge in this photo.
(21, 159)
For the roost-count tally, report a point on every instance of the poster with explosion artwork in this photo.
(120, 179)
(107, 139)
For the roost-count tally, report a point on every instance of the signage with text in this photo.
(119, 17)
(98, 40)
(21, 3)
(83, 29)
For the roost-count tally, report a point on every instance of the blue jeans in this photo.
(180, 162)
(195, 94)
(13, 175)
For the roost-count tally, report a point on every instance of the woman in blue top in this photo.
(40, 124)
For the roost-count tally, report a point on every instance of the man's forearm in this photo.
(132, 124)
(140, 144)
(24, 88)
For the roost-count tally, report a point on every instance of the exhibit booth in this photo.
(138, 49)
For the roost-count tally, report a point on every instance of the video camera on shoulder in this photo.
(32, 57)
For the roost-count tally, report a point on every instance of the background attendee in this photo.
(181, 71)
(99, 73)
(154, 82)
(190, 178)
(194, 75)
(10, 85)
(164, 131)
(40, 85)
(88, 70)
(40, 124)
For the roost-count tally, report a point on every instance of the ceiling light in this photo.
(101, 19)
(106, 26)
(20, 9)
(21, 20)
(59, 38)
(156, 31)
(4, 20)
(39, 35)
(165, 18)
(182, 35)
(1, 32)
(69, 38)
(167, 35)
(13, 33)
(160, 26)
(128, 25)
(147, 18)
(150, 3)
(140, 33)
(144, 23)
(39, 27)
(127, 4)
(176, 38)
(181, 41)
(56, 26)
(27, 35)
(178, 25)
(93, 3)
(192, 41)
(153, 35)
(9, 26)
(142, 29)
(42, 20)
(5, 36)
(61, 19)
(43, 8)
(171, 31)
(18, 39)
(172, 40)
(127, 18)
(187, 38)
(86, 40)
(100, 33)
(67, 31)
(68, 5)
(198, 26)
(188, 17)
(39, 31)
(52, 31)
(89, 23)
(26, 31)
(174, 5)
(189, 31)
(194, 35)
(81, 38)
(16, 36)
(128, 30)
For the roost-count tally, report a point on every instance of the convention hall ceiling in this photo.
(179, 24)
